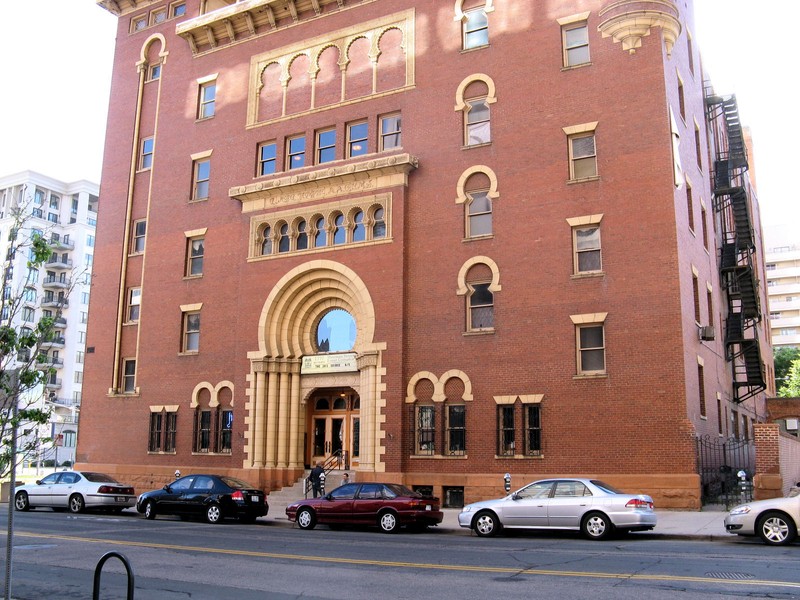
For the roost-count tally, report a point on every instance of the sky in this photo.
(56, 58)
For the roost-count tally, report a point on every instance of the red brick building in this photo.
(445, 240)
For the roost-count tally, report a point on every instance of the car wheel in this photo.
(213, 513)
(21, 501)
(776, 528)
(486, 524)
(306, 518)
(388, 522)
(150, 510)
(76, 504)
(596, 526)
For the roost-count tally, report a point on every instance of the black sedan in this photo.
(387, 505)
(212, 497)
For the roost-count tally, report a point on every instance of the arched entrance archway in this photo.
(288, 367)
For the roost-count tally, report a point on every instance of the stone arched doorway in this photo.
(289, 367)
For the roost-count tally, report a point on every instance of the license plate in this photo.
(428, 507)
(121, 499)
(255, 498)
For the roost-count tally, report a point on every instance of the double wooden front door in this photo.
(334, 426)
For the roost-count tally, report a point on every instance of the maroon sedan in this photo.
(387, 505)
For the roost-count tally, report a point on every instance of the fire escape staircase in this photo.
(737, 253)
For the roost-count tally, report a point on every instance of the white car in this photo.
(76, 491)
(775, 521)
(591, 506)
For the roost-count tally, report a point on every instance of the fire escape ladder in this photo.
(749, 377)
(741, 219)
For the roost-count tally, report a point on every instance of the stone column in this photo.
(295, 421)
(368, 450)
(284, 384)
(272, 416)
(257, 416)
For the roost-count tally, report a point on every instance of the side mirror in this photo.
(515, 496)
(329, 497)
(38, 482)
(166, 488)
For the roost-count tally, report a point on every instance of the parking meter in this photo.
(507, 482)
(742, 485)
(322, 482)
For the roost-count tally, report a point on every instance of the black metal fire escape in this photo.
(737, 252)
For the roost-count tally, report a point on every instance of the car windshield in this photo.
(237, 484)
(396, 489)
(99, 478)
(605, 487)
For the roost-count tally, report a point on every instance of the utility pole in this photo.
(13, 377)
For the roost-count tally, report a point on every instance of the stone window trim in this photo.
(465, 105)
(439, 397)
(467, 289)
(459, 11)
(200, 184)
(567, 23)
(463, 287)
(188, 310)
(588, 320)
(575, 224)
(525, 400)
(204, 83)
(465, 198)
(157, 16)
(342, 39)
(348, 208)
(578, 131)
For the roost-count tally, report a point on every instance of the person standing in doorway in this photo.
(316, 479)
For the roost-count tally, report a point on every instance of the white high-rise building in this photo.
(65, 214)
(783, 285)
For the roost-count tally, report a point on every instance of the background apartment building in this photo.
(783, 285)
(435, 241)
(65, 214)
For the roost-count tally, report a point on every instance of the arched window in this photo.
(481, 307)
(320, 237)
(302, 236)
(359, 233)
(266, 245)
(339, 233)
(474, 95)
(378, 224)
(283, 241)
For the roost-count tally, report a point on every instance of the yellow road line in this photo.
(410, 565)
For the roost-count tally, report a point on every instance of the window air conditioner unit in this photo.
(707, 333)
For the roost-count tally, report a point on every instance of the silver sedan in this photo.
(588, 505)
(775, 521)
(76, 491)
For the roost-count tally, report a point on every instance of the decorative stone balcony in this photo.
(628, 21)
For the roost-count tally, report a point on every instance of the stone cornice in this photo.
(628, 21)
(325, 182)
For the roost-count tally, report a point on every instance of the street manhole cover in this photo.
(729, 575)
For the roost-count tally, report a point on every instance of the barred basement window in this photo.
(156, 428)
(203, 435)
(225, 435)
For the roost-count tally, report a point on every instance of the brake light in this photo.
(108, 489)
(238, 496)
(639, 503)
